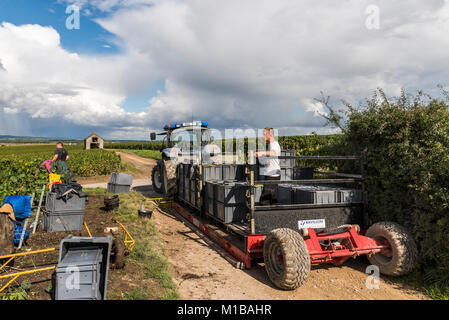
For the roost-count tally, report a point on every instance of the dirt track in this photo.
(201, 273)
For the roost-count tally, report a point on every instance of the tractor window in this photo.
(183, 140)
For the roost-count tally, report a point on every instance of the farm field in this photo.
(20, 165)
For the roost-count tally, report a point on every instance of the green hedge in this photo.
(406, 145)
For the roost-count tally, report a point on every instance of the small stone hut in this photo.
(94, 141)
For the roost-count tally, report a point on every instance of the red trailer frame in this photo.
(350, 245)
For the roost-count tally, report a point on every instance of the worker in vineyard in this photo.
(270, 168)
(60, 158)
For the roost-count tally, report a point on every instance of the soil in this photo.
(120, 281)
(202, 273)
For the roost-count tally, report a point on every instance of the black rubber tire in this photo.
(404, 251)
(169, 188)
(118, 253)
(295, 268)
(156, 172)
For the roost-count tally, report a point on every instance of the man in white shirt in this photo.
(270, 168)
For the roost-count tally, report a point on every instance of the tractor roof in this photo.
(186, 124)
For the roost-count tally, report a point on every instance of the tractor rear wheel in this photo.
(156, 179)
(169, 186)
(286, 258)
(402, 256)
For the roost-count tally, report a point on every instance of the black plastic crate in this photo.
(231, 213)
(284, 193)
(302, 173)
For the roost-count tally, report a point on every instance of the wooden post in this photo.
(251, 183)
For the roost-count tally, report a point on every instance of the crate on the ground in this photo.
(121, 178)
(82, 270)
(74, 203)
(231, 213)
(287, 163)
(300, 173)
(63, 221)
(118, 188)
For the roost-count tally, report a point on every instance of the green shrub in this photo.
(405, 142)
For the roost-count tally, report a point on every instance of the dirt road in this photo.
(201, 273)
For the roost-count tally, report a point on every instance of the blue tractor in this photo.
(183, 143)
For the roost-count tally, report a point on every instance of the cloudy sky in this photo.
(134, 65)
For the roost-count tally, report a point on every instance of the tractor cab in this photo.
(182, 143)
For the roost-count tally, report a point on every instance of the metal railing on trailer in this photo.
(347, 178)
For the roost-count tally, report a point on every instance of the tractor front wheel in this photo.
(401, 256)
(286, 258)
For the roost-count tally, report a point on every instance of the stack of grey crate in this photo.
(120, 183)
(317, 194)
(187, 186)
(287, 165)
(227, 201)
(61, 215)
(82, 270)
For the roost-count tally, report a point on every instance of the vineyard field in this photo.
(20, 171)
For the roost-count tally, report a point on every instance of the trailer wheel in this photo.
(286, 258)
(118, 253)
(403, 255)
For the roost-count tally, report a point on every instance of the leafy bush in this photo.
(405, 142)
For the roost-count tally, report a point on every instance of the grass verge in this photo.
(150, 154)
(148, 256)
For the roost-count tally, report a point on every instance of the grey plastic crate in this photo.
(346, 195)
(231, 193)
(230, 213)
(302, 173)
(287, 163)
(118, 188)
(75, 203)
(88, 256)
(311, 194)
(209, 190)
(212, 173)
(233, 172)
(63, 221)
(286, 174)
(121, 178)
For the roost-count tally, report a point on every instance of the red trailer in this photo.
(288, 238)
